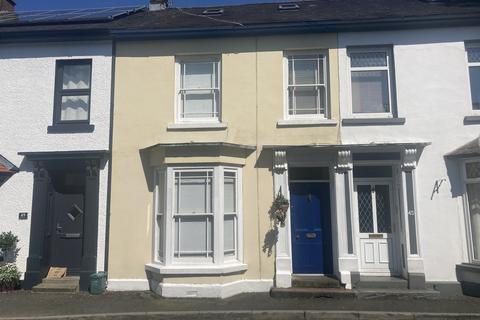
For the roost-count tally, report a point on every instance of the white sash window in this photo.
(198, 96)
(472, 179)
(197, 215)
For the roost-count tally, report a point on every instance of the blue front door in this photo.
(311, 228)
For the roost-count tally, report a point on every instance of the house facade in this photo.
(56, 126)
(339, 124)
(206, 152)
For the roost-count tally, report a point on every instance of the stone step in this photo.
(368, 282)
(299, 281)
(68, 280)
(306, 293)
(65, 285)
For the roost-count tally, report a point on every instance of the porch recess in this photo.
(346, 251)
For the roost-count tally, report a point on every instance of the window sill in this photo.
(471, 120)
(227, 268)
(306, 123)
(196, 126)
(71, 128)
(373, 121)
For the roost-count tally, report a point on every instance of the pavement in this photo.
(146, 305)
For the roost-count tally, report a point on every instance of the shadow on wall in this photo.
(454, 177)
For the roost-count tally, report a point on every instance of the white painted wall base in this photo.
(170, 290)
(128, 285)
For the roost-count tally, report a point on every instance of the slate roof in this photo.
(331, 15)
(6, 166)
(332, 11)
(471, 149)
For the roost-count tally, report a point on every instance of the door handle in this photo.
(59, 228)
(297, 236)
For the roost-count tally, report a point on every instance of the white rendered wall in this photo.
(433, 94)
(27, 82)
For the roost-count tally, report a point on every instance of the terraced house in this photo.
(270, 146)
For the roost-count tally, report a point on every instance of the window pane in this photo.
(230, 192)
(474, 208)
(74, 108)
(382, 197)
(473, 170)
(309, 173)
(229, 234)
(473, 54)
(199, 104)
(193, 236)
(194, 192)
(475, 87)
(365, 213)
(306, 100)
(306, 71)
(368, 59)
(372, 171)
(199, 75)
(76, 76)
(161, 228)
(370, 92)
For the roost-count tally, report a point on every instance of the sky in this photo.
(27, 5)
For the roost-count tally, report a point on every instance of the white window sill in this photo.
(197, 126)
(226, 268)
(306, 122)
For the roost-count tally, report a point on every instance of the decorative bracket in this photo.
(280, 161)
(39, 171)
(91, 168)
(409, 160)
(344, 161)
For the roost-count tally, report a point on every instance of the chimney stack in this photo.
(156, 5)
(7, 5)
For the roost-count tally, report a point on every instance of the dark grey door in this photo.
(67, 242)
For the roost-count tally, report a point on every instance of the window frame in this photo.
(164, 242)
(468, 224)
(470, 45)
(391, 81)
(59, 92)
(179, 61)
(286, 85)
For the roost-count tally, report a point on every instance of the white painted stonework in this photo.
(433, 95)
(27, 79)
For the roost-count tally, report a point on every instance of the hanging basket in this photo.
(279, 209)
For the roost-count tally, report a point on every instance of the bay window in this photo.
(473, 57)
(306, 85)
(472, 180)
(198, 96)
(197, 215)
(372, 85)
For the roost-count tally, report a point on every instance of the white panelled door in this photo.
(375, 218)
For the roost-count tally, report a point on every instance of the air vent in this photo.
(288, 6)
(213, 12)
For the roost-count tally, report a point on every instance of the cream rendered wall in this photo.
(252, 103)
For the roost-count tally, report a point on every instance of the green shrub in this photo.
(8, 241)
(9, 277)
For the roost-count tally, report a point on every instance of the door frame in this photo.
(395, 221)
(332, 249)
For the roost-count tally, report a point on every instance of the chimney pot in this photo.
(156, 5)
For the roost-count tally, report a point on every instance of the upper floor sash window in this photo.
(198, 89)
(473, 57)
(306, 85)
(73, 91)
(372, 84)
